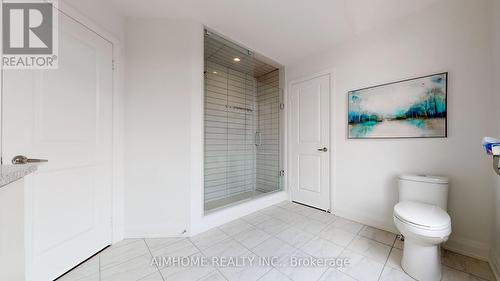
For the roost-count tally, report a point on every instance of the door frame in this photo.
(117, 169)
(331, 74)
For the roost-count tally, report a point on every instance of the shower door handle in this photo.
(324, 149)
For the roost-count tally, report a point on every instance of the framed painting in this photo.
(412, 108)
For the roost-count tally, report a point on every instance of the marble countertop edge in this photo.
(12, 173)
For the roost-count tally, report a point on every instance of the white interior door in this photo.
(65, 116)
(310, 142)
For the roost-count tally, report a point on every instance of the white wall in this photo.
(452, 36)
(163, 61)
(164, 132)
(495, 249)
(101, 13)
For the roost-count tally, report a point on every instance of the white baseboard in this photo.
(468, 247)
(384, 225)
(154, 231)
(459, 245)
(495, 264)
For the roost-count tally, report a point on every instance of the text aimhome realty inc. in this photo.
(202, 261)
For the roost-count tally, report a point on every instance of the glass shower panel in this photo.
(242, 125)
(268, 132)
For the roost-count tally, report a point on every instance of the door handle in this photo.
(324, 149)
(21, 159)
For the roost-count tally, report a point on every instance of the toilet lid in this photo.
(421, 214)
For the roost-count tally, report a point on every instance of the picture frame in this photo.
(409, 108)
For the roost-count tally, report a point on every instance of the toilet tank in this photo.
(425, 189)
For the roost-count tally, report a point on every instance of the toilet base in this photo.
(421, 261)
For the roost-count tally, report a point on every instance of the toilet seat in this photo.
(422, 216)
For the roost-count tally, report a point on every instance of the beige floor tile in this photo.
(323, 217)
(378, 235)
(295, 237)
(360, 267)
(479, 268)
(277, 231)
(274, 275)
(300, 268)
(347, 225)
(337, 235)
(450, 274)
(273, 226)
(157, 243)
(122, 252)
(181, 248)
(256, 218)
(453, 260)
(370, 248)
(311, 226)
(226, 248)
(235, 227)
(208, 238)
(395, 257)
(391, 274)
(214, 276)
(321, 248)
(131, 270)
(334, 275)
(152, 277)
(248, 272)
(88, 271)
(304, 210)
(251, 237)
(273, 247)
(187, 273)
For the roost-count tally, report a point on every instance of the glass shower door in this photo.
(268, 175)
(242, 125)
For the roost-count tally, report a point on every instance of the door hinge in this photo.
(282, 106)
(113, 65)
(282, 173)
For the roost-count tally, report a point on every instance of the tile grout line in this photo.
(347, 248)
(241, 244)
(313, 236)
(289, 225)
(151, 253)
(388, 256)
(274, 236)
(126, 260)
(216, 268)
(328, 269)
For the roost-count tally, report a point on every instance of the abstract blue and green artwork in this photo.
(413, 108)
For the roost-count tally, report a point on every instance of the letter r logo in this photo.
(27, 28)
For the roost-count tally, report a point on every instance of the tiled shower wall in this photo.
(268, 153)
(241, 132)
(230, 126)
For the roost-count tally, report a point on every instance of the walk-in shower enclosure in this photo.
(242, 124)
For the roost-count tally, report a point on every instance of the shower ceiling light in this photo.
(237, 59)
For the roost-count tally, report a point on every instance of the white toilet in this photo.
(421, 217)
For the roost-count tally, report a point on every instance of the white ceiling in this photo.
(284, 30)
